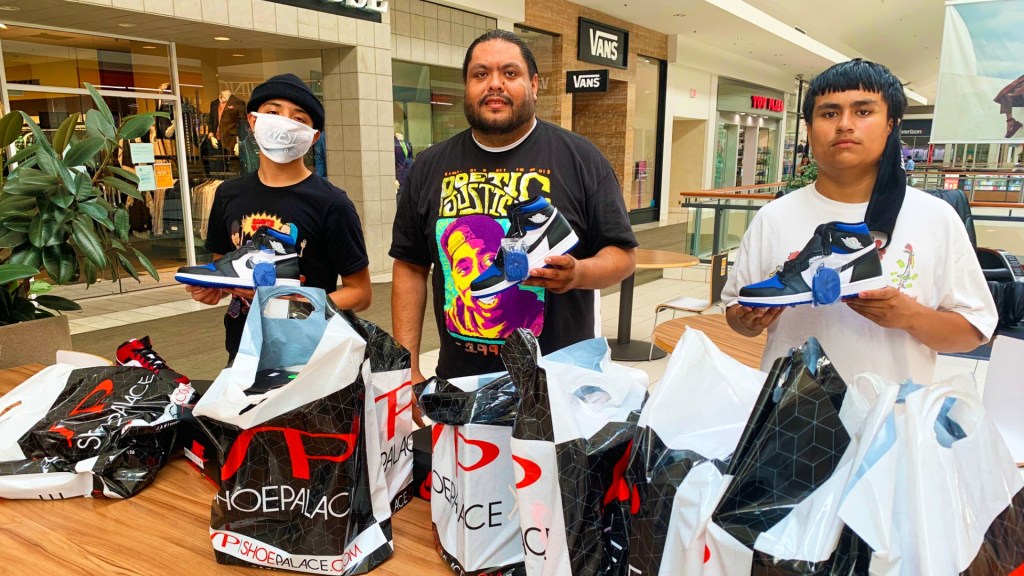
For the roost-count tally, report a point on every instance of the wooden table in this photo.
(746, 350)
(165, 529)
(623, 348)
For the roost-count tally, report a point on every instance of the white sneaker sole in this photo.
(847, 290)
(204, 281)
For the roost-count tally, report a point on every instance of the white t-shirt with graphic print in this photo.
(930, 258)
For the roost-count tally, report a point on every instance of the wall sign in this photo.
(916, 128)
(363, 9)
(586, 81)
(766, 103)
(602, 44)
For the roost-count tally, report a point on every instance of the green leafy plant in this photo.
(53, 213)
(804, 177)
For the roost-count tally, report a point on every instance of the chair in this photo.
(1002, 270)
(719, 274)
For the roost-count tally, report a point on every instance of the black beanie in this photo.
(288, 87)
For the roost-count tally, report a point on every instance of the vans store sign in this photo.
(602, 44)
(586, 81)
(363, 9)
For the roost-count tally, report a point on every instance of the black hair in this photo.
(505, 35)
(858, 74)
(891, 183)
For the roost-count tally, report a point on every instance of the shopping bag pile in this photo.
(98, 432)
(473, 474)
(686, 435)
(572, 439)
(314, 423)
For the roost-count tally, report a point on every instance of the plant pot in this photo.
(32, 342)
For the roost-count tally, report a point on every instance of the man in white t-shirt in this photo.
(936, 299)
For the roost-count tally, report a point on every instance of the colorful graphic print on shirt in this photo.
(472, 221)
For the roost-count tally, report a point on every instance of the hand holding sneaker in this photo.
(559, 276)
(887, 307)
(750, 321)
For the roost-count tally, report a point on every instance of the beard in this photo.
(480, 121)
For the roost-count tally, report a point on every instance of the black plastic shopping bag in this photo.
(574, 429)
(473, 474)
(688, 430)
(100, 432)
(779, 514)
(304, 481)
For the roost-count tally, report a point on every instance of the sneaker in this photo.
(140, 353)
(1012, 126)
(544, 231)
(839, 261)
(269, 259)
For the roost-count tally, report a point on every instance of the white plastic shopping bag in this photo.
(473, 474)
(303, 482)
(936, 487)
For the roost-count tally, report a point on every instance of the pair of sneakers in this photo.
(839, 261)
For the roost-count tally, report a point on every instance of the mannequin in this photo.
(403, 159)
(227, 112)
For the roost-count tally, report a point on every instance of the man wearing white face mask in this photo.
(283, 203)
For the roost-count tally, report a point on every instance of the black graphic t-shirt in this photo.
(453, 213)
(329, 232)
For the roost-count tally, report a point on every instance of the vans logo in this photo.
(604, 44)
(586, 81)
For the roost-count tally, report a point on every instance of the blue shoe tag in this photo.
(825, 287)
(264, 274)
(517, 263)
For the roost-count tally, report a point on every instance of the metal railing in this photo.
(728, 212)
(1002, 184)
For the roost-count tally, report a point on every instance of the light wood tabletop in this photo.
(654, 259)
(746, 350)
(165, 529)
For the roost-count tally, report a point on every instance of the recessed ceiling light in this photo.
(127, 25)
(9, 8)
(148, 47)
(238, 55)
(221, 38)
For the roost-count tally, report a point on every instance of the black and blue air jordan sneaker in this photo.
(840, 261)
(543, 230)
(269, 259)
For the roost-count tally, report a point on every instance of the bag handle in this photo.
(316, 297)
(936, 398)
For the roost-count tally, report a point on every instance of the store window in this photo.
(646, 131)
(547, 50)
(428, 104)
(45, 74)
(747, 143)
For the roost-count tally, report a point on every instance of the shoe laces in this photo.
(151, 358)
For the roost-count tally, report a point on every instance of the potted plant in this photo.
(54, 216)
(803, 177)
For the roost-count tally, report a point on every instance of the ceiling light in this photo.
(9, 8)
(238, 55)
(148, 47)
(764, 21)
(127, 25)
(221, 38)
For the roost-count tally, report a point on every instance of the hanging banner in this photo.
(981, 74)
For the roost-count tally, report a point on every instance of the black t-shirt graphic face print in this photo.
(453, 214)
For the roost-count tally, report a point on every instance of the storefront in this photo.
(747, 140)
(611, 90)
(429, 43)
(199, 61)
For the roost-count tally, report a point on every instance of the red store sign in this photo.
(766, 103)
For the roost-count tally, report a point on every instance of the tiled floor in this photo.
(119, 310)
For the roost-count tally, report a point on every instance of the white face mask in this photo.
(281, 139)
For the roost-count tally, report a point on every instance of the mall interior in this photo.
(696, 104)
